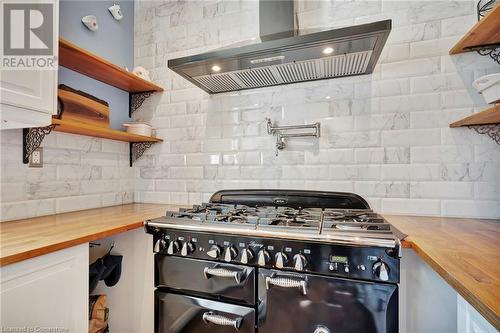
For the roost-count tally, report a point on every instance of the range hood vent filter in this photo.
(259, 77)
(315, 69)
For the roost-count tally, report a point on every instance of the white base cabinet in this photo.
(47, 293)
(428, 304)
(470, 321)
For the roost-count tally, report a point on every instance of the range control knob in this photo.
(246, 256)
(214, 252)
(281, 259)
(159, 245)
(187, 248)
(381, 270)
(230, 253)
(263, 257)
(299, 262)
(173, 247)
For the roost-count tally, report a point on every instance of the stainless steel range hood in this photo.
(284, 55)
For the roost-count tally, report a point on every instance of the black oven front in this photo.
(198, 296)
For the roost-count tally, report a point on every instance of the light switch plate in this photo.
(36, 158)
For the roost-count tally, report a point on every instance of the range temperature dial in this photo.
(299, 262)
(230, 253)
(281, 259)
(187, 248)
(173, 247)
(263, 257)
(381, 270)
(214, 251)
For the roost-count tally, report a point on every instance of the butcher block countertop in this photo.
(465, 252)
(28, 238)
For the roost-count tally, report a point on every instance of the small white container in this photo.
(139, 128)
(489, 87)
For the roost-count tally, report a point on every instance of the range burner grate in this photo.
(334, 220)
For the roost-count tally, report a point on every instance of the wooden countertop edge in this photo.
(7, 260)
(488, 313)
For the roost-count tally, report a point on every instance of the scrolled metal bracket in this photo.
(137, 149)
(135, 101)
(493, 131)
(483, 7)
(494, 53)
(32, 139)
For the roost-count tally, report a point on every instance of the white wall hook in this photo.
(116, 11)
(90, 21)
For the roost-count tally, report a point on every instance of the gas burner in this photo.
(293, 222)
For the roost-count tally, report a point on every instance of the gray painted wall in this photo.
(114, 41)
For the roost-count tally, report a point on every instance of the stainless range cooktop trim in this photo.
(325, 238)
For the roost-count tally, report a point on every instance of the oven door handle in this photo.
(286, 282)
(237, 275)
(211, 317)
(321, 329)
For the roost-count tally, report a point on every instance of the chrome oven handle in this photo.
(286, 282)
(238, 276)
(210, 317)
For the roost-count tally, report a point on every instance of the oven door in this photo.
(206, 278)
(304, 303)
(185, 314)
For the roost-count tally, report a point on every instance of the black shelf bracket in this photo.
(493, 131)
(32, 139)
(137, 149)
(135, 101)
(483, 7)
(494, 53)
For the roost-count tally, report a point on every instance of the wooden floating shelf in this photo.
(33, 137)
(99, 132)
(84, 62)
(486, 117)
(93, 66)
(485, 33)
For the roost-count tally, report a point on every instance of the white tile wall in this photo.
(385, 136)
(79, 173)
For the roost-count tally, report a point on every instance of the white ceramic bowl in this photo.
(489, 87)
(139, 128)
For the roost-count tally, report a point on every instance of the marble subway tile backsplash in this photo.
(384, 136)
(79, 172)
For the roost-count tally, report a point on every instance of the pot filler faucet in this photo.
(283, 132)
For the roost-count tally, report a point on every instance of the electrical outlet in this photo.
(36, 158)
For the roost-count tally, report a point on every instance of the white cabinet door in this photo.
(469, 320)
(47, 292)
(29, 89)
(29, 97)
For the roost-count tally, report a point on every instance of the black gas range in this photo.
(276, 261)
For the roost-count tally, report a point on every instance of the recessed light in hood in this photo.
(328, 50)
(296, 58)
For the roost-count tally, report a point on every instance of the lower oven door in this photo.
(304, 303)
(185, 314)
(224, 281)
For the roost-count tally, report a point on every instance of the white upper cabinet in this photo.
(29, 97)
